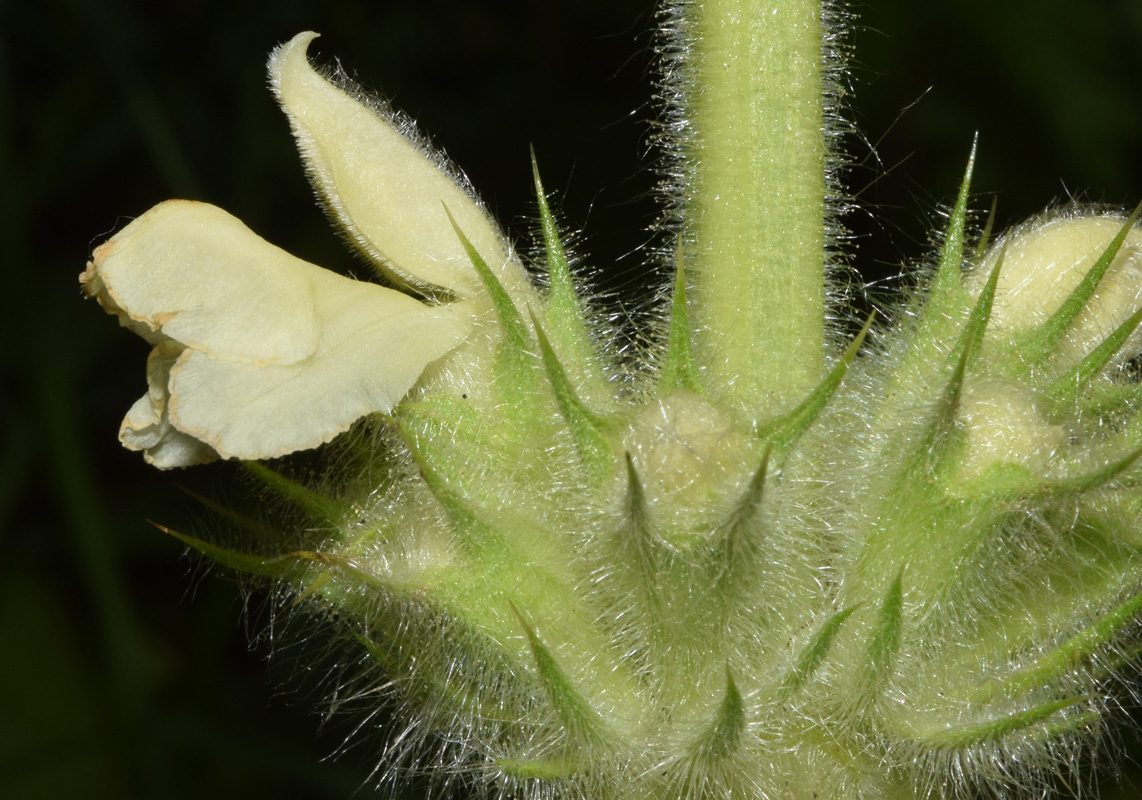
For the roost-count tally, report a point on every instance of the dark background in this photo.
(126, 673)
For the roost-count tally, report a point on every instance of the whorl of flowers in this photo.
(759, 563)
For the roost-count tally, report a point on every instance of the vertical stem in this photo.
(754, 155)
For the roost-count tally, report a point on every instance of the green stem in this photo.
(755, 168)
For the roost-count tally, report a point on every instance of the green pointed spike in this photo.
(560, 284)
(941, 433)
(563, 309)
(1042, 344)
(725, 732)
(1105, 400)
(1081, 647)
(783, 432)
(638, 551)
(472, 529)
(340, 581)
(934, 446)
(985, 235)
(885, 640)
(316, 505)
(474, 533)
(636, 496)
(1020, 486)
(814, 653)
(942, 428)
(946, 289)
(678, 370)
(1093, 480)
(734, 550)
(583, 724)
(952, 253)
(287, 567)
(295, 568)
(345, 567)
(993, 730)
(639, 539)
(241, 520)
(1067, 388)
(585, 426)
(515, 332)
(945, 302)
(972, 339)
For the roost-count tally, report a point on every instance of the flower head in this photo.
(760, 566)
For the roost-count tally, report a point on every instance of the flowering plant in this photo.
(756, 559)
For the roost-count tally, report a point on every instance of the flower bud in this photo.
(1005, 425)
(1045, 260)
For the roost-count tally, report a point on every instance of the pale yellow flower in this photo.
(258, 353)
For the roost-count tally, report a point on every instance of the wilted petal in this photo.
(384, 190)
(258, 353)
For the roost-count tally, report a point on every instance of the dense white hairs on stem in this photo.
(674, 132)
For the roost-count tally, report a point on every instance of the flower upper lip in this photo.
(387, 191)
(258, 353)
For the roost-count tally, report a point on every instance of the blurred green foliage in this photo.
(125, 672)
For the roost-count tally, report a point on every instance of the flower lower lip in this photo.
(258, 354)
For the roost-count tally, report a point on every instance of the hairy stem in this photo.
(755, 227)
